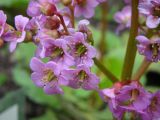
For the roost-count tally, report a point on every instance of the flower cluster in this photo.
(69, 50)
(148, 42)
(150, 39)
(132, 98)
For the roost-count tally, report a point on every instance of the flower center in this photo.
(82, 75)
(155, 50)
(48, 76)
(154, 103)
(18, 34)
(134, 94)
(80, 49)
(57, 52)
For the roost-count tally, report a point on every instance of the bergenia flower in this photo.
(36, 8)
(149, 48)
(81, 50)
(84, 8)
(19, 35)
(123, 18)
(57, 50)
(3, 19)
(47, 76)
(49, 22)
(81, 77)
(109, 96)
(130, 97)
(151, 9)
(153, 110)
(133, 97)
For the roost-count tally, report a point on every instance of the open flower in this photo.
(109, 96)
(18, 35)
(84, 7)
(123, 18)
(3, 19)
(57, 50)
(133, 97)
(151, 8)
(81, 50)
(81, 77)
(153, 110)
(130, 97)
(47, 76)
(149, 48)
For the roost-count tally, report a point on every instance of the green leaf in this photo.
(3, 79)
(9, 3)
(24, 53)
(49, 115)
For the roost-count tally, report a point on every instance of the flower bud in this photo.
(52, 23)
(48, 9)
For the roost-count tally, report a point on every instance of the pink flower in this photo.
(82, 51)
(149, 48)
(123, 18)
(84, 8)
(81, 77)
(3, 19)
(47, 76)
(18, 36)
(151, 9)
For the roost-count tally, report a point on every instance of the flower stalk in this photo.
(104, 24)
(105, 70)
(142, 69)
(131, 47)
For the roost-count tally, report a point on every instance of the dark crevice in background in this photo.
(153, 79)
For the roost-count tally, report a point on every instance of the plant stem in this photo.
(72, 16)
(63, 23)
(105, 71)
(104, 23)
(143, 67)
(131, 47)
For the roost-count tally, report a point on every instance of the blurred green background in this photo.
(74, 104)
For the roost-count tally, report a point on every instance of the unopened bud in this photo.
(48, 9)
(52, 23)
(90, 37)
